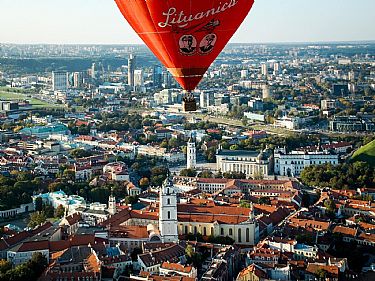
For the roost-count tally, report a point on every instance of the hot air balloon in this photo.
(185, 35)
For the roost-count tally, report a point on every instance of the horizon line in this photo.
(372, 41)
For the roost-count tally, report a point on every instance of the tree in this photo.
(164, 144)
(4, 266)
(36, 219)
(144, 182)
(48, 211)
(100, 194)
(245, 204)
(234, 147)
(69, 174)
(38, 204)
(189, 251)
(330, 205)
(135, 253)
(173, 142)
(264, 200)
(321, 274)
(131, 200)
(206, 174)
(188, 173)
(38, 263)
(80, 153)
(60, 211)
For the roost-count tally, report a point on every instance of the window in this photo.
(204, 231)
(186, 229)
(230, 231)
(222, 231)
(168, 201)
(239, 235)
(169, 215)
(247, 235)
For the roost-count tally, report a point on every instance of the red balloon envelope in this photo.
(185, 35)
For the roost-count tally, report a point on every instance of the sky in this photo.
(100, 22)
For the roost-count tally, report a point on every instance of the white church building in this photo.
(206, 218)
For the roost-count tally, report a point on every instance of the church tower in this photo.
(191, 154)
(168, 212)
(111, 205)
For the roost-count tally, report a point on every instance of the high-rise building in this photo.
(93, 71)
(157, 76)
(266, 93)
(276, 68)
(264, 69)
(167, 79)
(351, 76)
(131, 69)
(244, 73)
(77, 79)
(138, 78)
(191, 154)
(59, 81)
(168, 224)
(207, 98)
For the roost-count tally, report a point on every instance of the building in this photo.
(191, 155)
(117, 171)
(293, 163)
(276, 68)
(77, 80)
(59, 81)
(168, 212)
(151, 261)
(138, 78)
(9, 105)
(251, 163)
(328, 104)
(131, 69)
(170, 269)
(93, 71)
(157, 76)
(351, 124)
(44, 132)
(264, 69)
(207, 98)
(112, 205)
(256, 104)
(266, 92)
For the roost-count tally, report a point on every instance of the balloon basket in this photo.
(189, 105)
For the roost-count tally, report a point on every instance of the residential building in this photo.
(293, 163)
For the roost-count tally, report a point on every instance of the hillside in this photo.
(366, 154)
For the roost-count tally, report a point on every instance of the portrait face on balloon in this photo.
(188, 44)
(208, 43)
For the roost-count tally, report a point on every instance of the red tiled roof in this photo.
(33, 246)
(176, 267)
(347, 231)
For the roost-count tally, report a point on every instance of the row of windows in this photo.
(222, 232)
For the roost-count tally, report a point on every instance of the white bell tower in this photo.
(191, 154)
(168, 212)
(111, 205)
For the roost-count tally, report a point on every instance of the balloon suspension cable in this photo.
(189, 102)
(189, 96)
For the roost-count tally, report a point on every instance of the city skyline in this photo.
(268, 22)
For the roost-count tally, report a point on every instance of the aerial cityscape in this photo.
(116, 166)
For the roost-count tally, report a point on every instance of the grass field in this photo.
(36, 103)
(366, 154)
